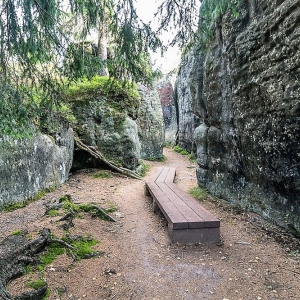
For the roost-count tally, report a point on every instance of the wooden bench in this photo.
(188, 221)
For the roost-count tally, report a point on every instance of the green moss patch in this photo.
(51, 253)
(82, 247)
(102, 174)
(36, 284)
(120, 95)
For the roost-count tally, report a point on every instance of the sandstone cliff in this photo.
(245, 91)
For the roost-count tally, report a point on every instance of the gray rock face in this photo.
(186, 99)
(112, 131)
(28, 166)
(248, 98)
(150, 123)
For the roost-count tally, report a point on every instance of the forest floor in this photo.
(256, 261)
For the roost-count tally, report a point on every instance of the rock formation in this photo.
(245, 90)
(112, 131)
(28, 166)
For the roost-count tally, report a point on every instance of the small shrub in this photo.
(184, 152)
(192, 157)
(177, 149)
(143, 169)
(198, 193)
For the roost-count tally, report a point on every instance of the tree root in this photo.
(104, 213)
(16, 253)
(98, 155)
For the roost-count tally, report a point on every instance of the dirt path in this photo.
(139, 261)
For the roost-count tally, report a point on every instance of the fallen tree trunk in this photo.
(98, 155)
(16, 252)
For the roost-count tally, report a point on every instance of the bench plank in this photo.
(193, 219)
(188, 220)
(209, 219)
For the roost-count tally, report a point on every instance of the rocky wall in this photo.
(28, 166)
(248, 99)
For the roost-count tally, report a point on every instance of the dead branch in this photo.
(98, 155)
(63, 243)
(104, 213)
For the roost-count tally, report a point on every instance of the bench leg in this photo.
(201, 235)
(146, 191)
(155, 206)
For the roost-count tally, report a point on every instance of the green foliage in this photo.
(210, 12)
(13, 206)
(143, 169)
(28, 269)
(192, 157)
(52, 213)
(198, 193)
(115, 89)
(36, 284)
(160, 158)
(47, 295)
(182, 17)
(102, 174)
(180, 150)
(85, 207)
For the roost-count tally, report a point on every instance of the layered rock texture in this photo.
(150, 123)
(108, 128)
(246, 92)
(28, 166)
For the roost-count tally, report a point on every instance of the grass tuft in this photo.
(198, 193)
(102, 174)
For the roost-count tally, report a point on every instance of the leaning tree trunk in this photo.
(98, 155)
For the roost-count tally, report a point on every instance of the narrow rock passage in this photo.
(139, 260)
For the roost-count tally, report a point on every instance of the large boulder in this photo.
(28, 166)
(248, 101)
(114, 133)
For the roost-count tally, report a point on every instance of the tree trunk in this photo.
(102, 46)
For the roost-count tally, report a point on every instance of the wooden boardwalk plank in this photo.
(209, 219)
(188, 220)
(171, 175)
(162, 175)
(192, 218)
